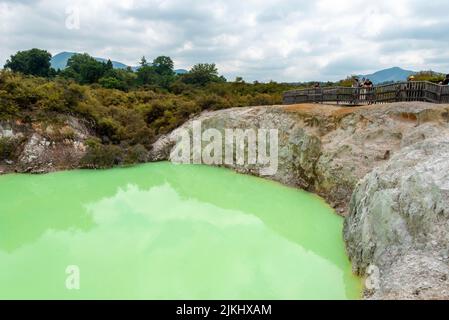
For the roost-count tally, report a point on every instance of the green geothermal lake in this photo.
(163, 231)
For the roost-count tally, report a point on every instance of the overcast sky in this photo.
(283, 40)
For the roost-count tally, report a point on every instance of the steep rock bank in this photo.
(40, 147)
(398, 227)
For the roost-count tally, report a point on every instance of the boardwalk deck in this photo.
(403, 91)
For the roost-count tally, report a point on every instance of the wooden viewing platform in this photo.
(396, 92)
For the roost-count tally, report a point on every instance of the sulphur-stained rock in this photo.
(399, 222)
(299, 146)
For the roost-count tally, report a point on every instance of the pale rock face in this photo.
(399, 210)
(6, 131)
(298, 151)
(34, 149)
(45, 147)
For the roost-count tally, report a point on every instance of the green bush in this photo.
(136, 154)
(8, 148)
(264, 99)
(101, 156)
(213, 102)
(108, 127)
(431, 76)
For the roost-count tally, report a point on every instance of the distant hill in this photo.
(181, 71)
(59, 61)
(389, 75)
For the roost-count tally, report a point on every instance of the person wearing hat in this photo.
(409, 92)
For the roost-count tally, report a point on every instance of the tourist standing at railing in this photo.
(356, 86)
(410, 92)
(318, 97)
(368, 85)
(445, 82)
(363, 91)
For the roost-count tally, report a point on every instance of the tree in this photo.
(146, 75)
(34, 62)
(111, 83)
(109, 65)
(202, 74)
(164, 68)
(143, 62)
(163, 65)
(118, 79)
(84, 69)
(159, 73)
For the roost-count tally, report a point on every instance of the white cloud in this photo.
(285, 40)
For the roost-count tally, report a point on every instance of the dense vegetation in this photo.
(127, 109)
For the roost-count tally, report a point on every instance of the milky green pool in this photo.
(161, 231)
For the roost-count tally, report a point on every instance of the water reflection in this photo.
(164, 231)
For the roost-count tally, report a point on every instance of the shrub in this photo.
(213, 102)
(67, 132)
(108, 127)
(101, 156)
(264, 99)
(429, 76)
(8, 148)
(136, 154)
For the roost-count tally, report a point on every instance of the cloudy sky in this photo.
(283, 40)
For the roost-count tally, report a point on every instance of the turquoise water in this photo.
(161, 231)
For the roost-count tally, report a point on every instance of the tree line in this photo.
(85, 69)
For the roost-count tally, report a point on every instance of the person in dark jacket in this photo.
(446, 81)
(368, 85)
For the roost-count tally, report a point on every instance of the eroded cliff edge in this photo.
(384, 167)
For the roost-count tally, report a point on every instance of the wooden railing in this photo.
(403, 91)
